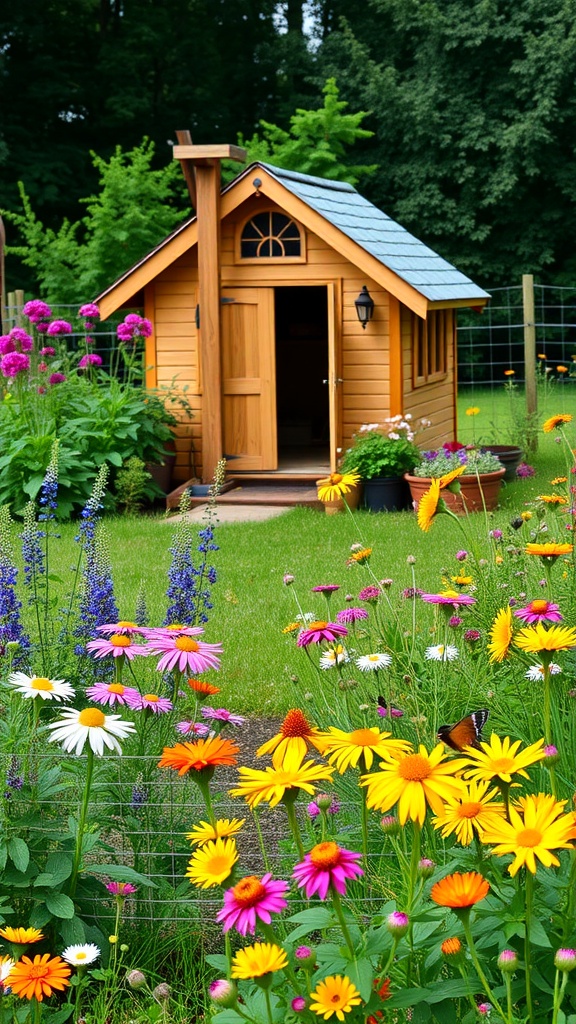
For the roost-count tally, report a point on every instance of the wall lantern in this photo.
(364, 306)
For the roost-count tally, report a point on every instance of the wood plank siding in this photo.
(434, 400)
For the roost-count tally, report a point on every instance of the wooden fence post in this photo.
(530, 362)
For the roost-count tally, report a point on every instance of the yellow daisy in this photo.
(428, 505)
(469, 812)
(346, 749)
(274, 782)
(450, 477)
(223, 828)
(296, 734)
(499, 759)
(559, 480)
(21, 936)
(501, 635)
(259, 959)
(212, 864)
(535, 639)
(536, 827)
(472, 410)
(462, 581)
(552, 499)
(550, 550)
(336, 485)
(413, 780)
(556, 421)
(335, 994)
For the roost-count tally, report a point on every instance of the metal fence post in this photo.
(530, 361)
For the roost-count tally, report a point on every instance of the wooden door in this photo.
(248, 379)
(334, 377)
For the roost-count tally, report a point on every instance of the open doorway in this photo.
(301, 317)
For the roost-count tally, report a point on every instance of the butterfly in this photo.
(384, 710)
(465, 733)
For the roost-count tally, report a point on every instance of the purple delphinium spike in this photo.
(97, 604)
(189, 586)
(11, 628)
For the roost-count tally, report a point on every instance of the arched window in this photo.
(270, 235)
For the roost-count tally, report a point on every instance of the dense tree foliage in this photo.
(471, 104)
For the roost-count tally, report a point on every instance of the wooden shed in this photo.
(253, 306)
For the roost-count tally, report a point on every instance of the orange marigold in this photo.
(209, 753)
(34, 979)
(460, 890)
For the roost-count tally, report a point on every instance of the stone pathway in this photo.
(234, 513)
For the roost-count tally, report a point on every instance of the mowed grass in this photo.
(262, 672)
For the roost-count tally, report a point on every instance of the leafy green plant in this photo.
(382, 450)
(131, 485)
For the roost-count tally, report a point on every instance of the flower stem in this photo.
(483, 979)
(529, 891)
(76, 864)
(414, 862)
(268, 1006)
(294, 827)
(337, 904)
(559, 989)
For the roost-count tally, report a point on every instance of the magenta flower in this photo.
(461, 555)
(249, 899)
(42, 367)
(161, 632)
(122, 627)
(56, 378)
(222, 715)
(192, 728)
(21, 339)
(121, 888)
(524, 470)
(448, 598)
(325, 588)
(319, 631)
(148, 701)
(14, 363)
(539, 611)
(350, 615)
(59, 327)
(185, 654)
(327, 865)
(393, 712)
(90, 310)
(48, 351)
(110, 693)
(369, 594)
(472, 635)
(90, 359)
(118, 646)
(37, 310)
(6, 345)
(314, 808)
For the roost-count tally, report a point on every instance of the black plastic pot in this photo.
(386, 494)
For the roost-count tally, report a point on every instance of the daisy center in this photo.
(116, 688)
(469, 810)
(176, 627)
(92, 718)
(538, 607)
(125, 624)
(119, 640)
(373, 657)
(414, 768)
(318, 625)
(502, 765)
(325, 855)
(363, 737)
(80, 955)
(151, 697)
(38, 971)
(295, 724)
(186, 643)
(335, 478)
(217, 865)
(336, 999)
(529, 837)
(41, 683)
(249, 891)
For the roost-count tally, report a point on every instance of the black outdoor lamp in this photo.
(364, 306)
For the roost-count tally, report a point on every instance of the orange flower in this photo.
(450, 477)
(509, 373)
(460, 890)
(34, 979)
(556, 421)
(552, 499)
(200, 755)
(451, 947)
(199, 686)
(562, 369)
(550, 550)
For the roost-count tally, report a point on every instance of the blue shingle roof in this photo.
(385, 239)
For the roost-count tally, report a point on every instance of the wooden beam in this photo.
(208, 193)
(214, 152)
(395, 342)
(185, 139)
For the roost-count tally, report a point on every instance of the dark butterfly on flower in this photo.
(384, 710)
(465, 733)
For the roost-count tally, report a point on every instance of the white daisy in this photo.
(441, 652)
(40, 686)
(6, 965)
(80, 956)
(75, 727)
(335, 656)
(536, 672)
(372, 662)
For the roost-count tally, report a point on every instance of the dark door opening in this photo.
(301, 316)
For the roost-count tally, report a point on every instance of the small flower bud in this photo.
(112, 939)
(124, 948)
(136, 980)
(298, 1004)
(565, 959)
(397, 923)
(484, 1009)
(426, 867)
(288, 578)
(461, 556)
(508, 961)
(386, 584)
(223, 992)
(551, 755)
(390, 825)
(451, 947)
(162, 992)
(324, 801)
(411, 560)
(305, 956)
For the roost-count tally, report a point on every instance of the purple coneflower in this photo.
(326, 588)
(539, 611)
(110, 693)
(448, 597)
(319, 631)
(327, 865)
(349, 615)
(249, 899)
(184, 653)
(118, 646)
(124, 626)
(148, 702)
(369, 594)
(222, 715)
(192, 728)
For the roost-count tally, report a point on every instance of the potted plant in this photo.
(479, 485)
(382, 454)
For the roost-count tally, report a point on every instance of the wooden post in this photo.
(530, 361)
(203, 163)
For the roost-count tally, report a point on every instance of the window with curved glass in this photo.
(270, 235)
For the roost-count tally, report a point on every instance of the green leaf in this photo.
(361, 973)
(59, 904)
(538, 936)
(19, 853)
(121, 873)
(316, 918)
(58, 1016)
(407, 997)
(72, 931)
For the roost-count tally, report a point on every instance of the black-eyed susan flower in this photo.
(347, 749)
(257, 960)
(428, 506)
(271, 785)
(336, 485)
(538, 639)
(335, 994)
(414, 781)
(500, 759)
(466, 814)
(296, 735)
(222, 828)
(537, 826)
(212, 863)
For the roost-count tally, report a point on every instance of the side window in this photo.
(430, 345)
(271, 236)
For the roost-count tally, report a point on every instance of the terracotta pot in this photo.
(352, 499)
(475, 493)
(510, 455)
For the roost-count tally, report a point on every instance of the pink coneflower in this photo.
(110, 693)
(14, 363)
(192, 728)
(36, 310)
(121, 888)
(222, 715)
(326, 588)
(90, 359)
(319, 631)
(48, 351)
(148, 701)
(59, 327)
(448, 597)
(369, 594)
(161, 632)
(327, 865)
(57, 378)
(123, 626)
(539, 611)
(183, 653)
(350, 615)
(118, 646)
(249, 899)
(90, 310)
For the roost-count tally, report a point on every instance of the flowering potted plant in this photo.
(470, 477)
(381, 454)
